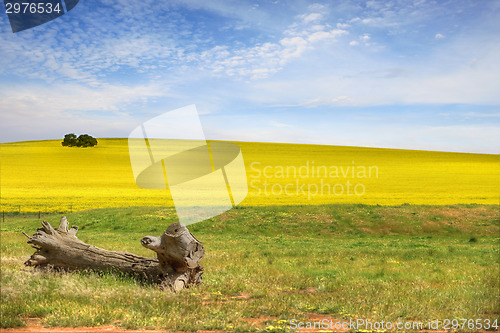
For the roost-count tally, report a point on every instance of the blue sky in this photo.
(399, 74)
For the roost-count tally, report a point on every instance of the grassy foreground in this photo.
(267, 265)
(44, 176)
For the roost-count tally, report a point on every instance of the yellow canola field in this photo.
(44, 176)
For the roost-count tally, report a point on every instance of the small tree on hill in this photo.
(84, 140)
(69, 140)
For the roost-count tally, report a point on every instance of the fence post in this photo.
(71, 208)
(3, 216)
(38, 214)
(19, 209)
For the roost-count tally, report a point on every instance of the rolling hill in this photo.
(43, 175)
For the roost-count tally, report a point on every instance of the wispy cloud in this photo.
(90, 58)
(48, 110)
(339, 100)
(279, 124)
(39, 102)
(262, 60)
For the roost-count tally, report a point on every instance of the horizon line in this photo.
(284, 143)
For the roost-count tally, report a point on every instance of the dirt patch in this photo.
(241, 296)
(260, 320)
(302, 325)
(334, 325)
(34, 325)
(237, 297)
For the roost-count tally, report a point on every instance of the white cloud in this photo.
(363, 39)
(371, 21)
(312, 17)
(325, 101)
(401, 14)
(322, 35)
(89, 56)
(312, 103)
(263, 60)
(439, 36)
(465, 70)
(42, 109)
(39, 100)
(280, 124)
(244, 12)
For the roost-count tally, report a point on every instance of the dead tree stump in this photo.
(177, 265)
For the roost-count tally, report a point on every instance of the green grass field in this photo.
(267, 265)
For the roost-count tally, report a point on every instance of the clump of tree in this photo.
(83, 140)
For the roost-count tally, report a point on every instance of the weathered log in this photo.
(179, 255)
(177, 264)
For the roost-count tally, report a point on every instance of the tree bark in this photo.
(177, 265)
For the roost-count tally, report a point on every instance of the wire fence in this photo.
(35, 211)
(38, 211)
(20, 209)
